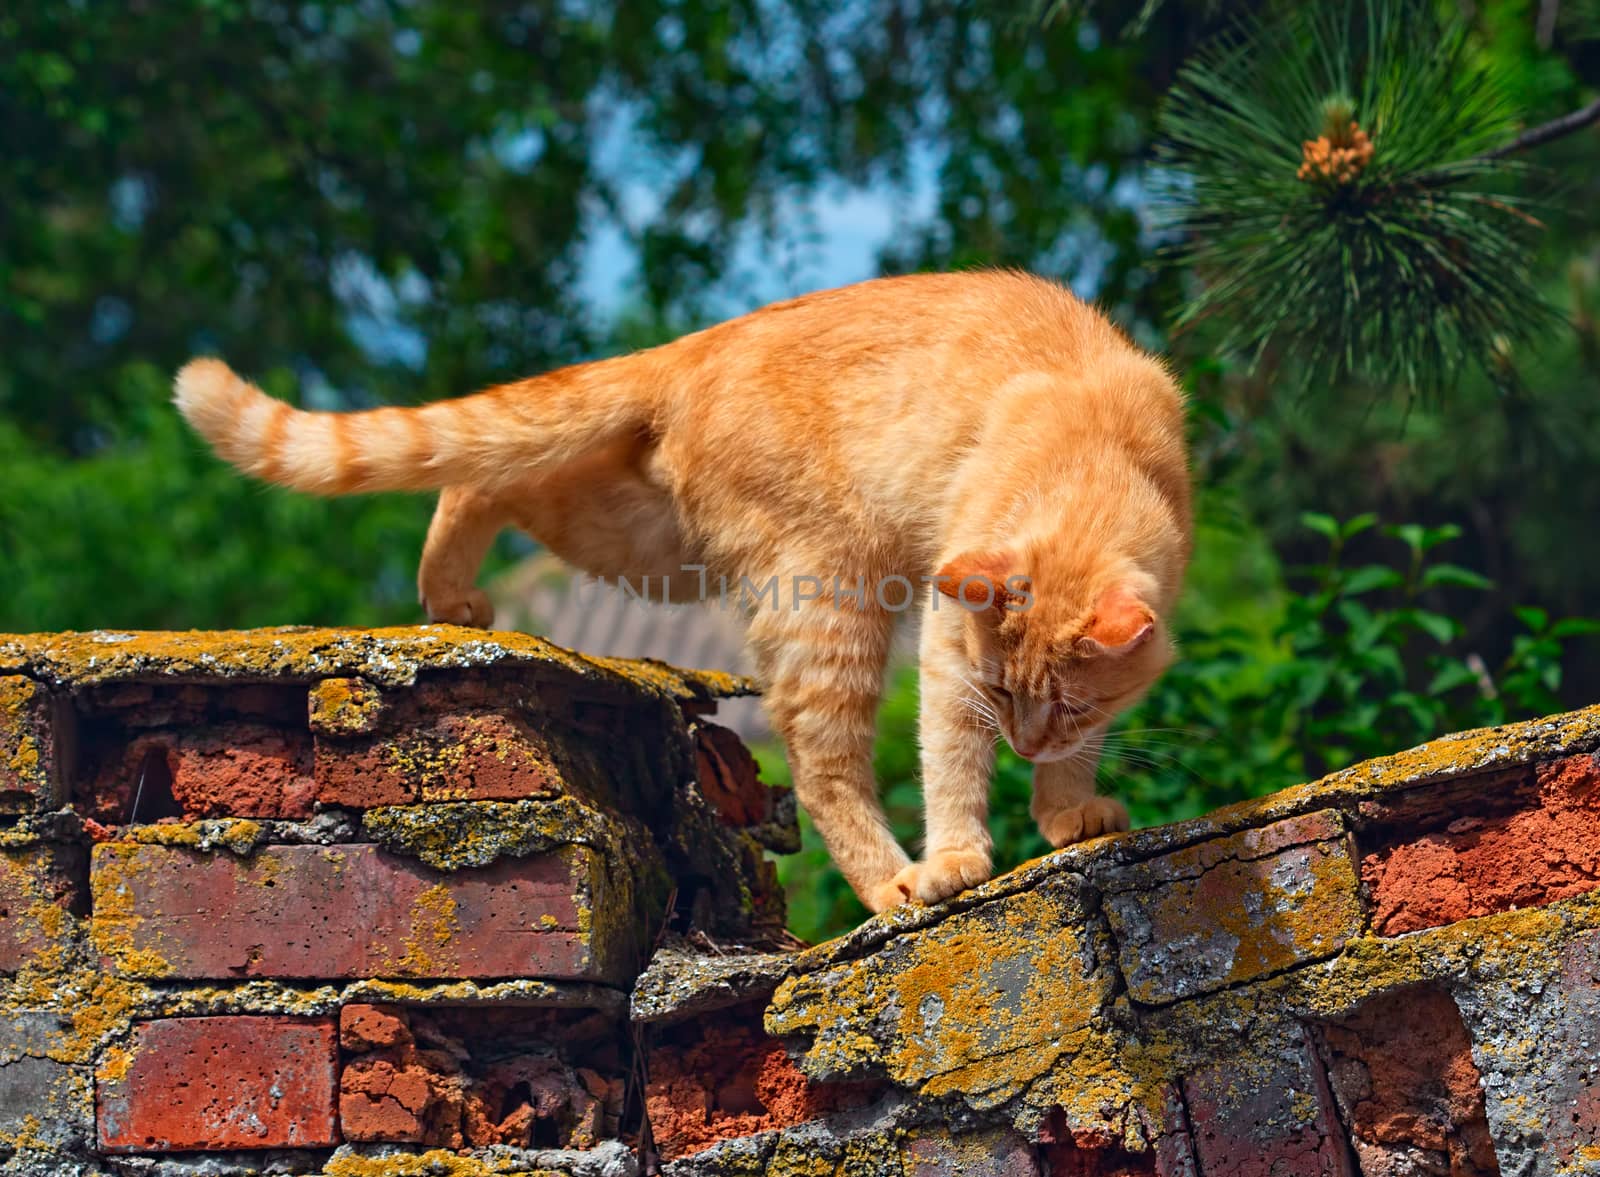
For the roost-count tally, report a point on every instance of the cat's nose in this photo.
(1027, 749)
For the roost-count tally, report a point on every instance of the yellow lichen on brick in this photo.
(451, 835)
(240, 835)
(436, 1162)
(23, 758)
(1584, 1161)
(392, 655)
(432, 925)
(987, 991)
(344, 705)
(114, 921)
(26, 1138)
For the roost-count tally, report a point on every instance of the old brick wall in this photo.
(422, 901)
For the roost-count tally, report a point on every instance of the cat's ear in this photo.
(1121, 623)
(978, 580)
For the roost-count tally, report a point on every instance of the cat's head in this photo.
(1055, 659)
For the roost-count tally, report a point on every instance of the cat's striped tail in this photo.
(488, 440)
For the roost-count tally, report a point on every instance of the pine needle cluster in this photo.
(1333, 178)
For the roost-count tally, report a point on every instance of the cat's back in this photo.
(970, 313)
(878, 391)
(914, 341)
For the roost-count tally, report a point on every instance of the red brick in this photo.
(1567, 1084)
(1478, 865)
(1401, 1069)
(39, 887)
(28, 746)
(452, 757)
(1234, 909)
(356, 911)
(218, 770)
(1266, 1116)
(729, 778)
(221, 1083)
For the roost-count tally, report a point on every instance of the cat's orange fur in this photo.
(975, 424)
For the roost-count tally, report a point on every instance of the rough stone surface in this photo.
(44, 1101)
(1218, 996)
(221, 1083)
(1234, 910)
(355, 911)
(683, 982)
(1532, 1015)
(385, 657)
(978, 1006)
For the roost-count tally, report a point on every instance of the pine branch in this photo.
(1554, 129)
(1333, 178)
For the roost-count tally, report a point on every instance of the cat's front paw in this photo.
(941, 875)
(472, 609)
(1096, 816)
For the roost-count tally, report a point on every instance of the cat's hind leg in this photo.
(464, 525)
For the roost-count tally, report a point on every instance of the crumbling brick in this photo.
(373, 1027)
(731, 1080)
(221, 1083)
(422, 1087)
(356, 911)
(1478, 864)
(1408, 1090)
(225, 769)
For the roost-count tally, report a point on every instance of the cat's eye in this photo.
(1002, 694)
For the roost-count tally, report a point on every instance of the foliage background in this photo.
(396, 200)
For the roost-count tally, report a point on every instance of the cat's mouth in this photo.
(1048, 754)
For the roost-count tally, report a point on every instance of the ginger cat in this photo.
(986, 429)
